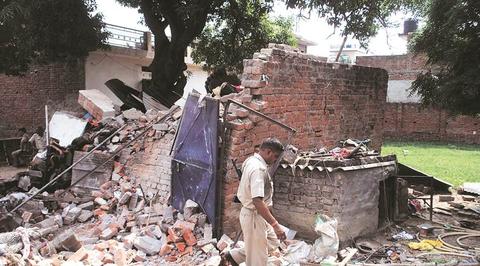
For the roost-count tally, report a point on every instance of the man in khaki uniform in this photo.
(261, 231)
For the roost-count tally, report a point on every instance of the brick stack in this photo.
(324, 102)
(152, 163)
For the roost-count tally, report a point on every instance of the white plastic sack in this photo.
(328, 242)
(297, 252)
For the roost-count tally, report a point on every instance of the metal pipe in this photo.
(261, 115)
(66, 170)
(47, 133)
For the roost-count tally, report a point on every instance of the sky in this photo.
(315, 29)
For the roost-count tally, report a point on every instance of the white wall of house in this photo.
(102, 66)
(126, 64)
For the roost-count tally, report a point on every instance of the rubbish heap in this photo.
(115, 224)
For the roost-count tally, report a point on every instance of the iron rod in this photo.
(261, 115)
(47, 133)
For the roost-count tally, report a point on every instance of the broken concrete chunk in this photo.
(116, 177)
(72, 215)
(67, 241)
(100, 201)
(201, 220)
(58, 220)
(85, 215)
(86, 206)
(147, 244)
(190, 208)
(161, 127)
(132, 114)
(207, 232)
(24, 182)
(48, 230)
(124, 198)
(207, 248)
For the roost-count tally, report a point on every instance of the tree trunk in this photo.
(168, 65)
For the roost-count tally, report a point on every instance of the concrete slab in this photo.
(96, 103)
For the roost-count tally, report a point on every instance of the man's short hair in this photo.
(273, 144)
(22, 129)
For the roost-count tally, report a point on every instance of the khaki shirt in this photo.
(255, 182)
(38, 142)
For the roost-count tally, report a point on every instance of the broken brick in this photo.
(224, 242)
(171, 258)
(26, 216)
(189, 237)
(166, 249)
(180, 246)
(109, 233)
(79, 255)
(183, 224)
(68, 241)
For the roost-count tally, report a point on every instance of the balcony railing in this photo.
(125, 37)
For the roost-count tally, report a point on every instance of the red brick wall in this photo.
(23, 97)
(399, 67)
(324, 102)
(410, 121)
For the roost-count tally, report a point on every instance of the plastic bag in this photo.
(328, 242)
(297, 252)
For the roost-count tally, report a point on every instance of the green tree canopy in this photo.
(46, 31)
(240, 29)
(360, 19)
(451, 41)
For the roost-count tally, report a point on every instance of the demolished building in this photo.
(170, 191)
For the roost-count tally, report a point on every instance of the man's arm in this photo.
(263, 210)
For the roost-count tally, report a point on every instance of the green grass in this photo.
(454, 163)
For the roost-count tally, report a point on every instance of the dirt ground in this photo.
(382, 248)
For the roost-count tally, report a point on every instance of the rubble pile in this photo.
(119, 226)
(115, 223)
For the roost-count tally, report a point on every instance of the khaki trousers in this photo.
(259, 238)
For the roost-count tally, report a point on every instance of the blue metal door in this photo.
(194, 164)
